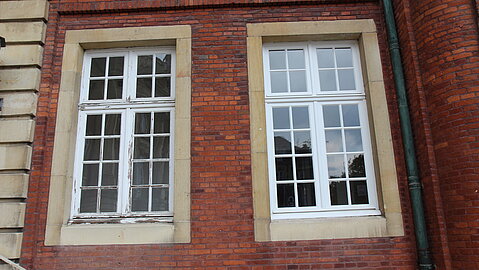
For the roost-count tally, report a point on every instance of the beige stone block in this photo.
(19, 79)
(371, 57)
(11, 244)
(24, 10)
(15, 157)
(183, 98)
(260, 185)
(72, 58)
(182, 190)
(13, 130)
(21, 55)
(23, 31)
(18, 103)
(183, 57)
(182, 138)
(13, 185)
(63, 154)
(13, 215)
(255, 64)
(6, 266)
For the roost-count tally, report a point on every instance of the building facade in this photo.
(238, 134)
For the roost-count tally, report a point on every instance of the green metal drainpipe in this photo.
(415, 190)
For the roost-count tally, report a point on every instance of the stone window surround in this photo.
(390, 222)
(58, 229)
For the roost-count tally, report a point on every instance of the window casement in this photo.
(124, 148)
(319, 148)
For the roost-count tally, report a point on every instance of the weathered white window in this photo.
(319, 147)
(124, 152)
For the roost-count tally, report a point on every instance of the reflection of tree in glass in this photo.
(304, 148)
(356, 166)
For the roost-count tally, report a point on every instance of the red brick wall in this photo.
(221, 196)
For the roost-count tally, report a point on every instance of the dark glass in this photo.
(145, 64)
(338, 192)
(109, 176)
(162, 86)
(98, 66)
(116, 66)
(92, 149)
(112, 124)
(108, 200)
(143, 87)
(161, 147)
(162, 122)
(141, 173)
(142, 148)
(159, 200)
(142, 123)
(88, 201)
(93, 125)
(139, 199)
(161, 172)
(359, 192)
(280, 118)
(96, 91)
(111, 149)
(114, 89)
(163, 63)
(356, 166)
(285, 195)
(282, 143)
(300, 117)
(306, 194)
(90, 175)
(284, 169)
(304, 168)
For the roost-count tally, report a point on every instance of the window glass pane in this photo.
(300, 117)
(142, 148)
(344, 57)
(325, 58)
(277, 59)
(93, 125)
(88, 201)
(286, 195)
(111, 149)
(306, 194)
(109, 176)
(338, 193)
(92, 149)
(282, 142)
(108, 200)
(162, 87)
(163, 63)
(90, 174)
(116, 66)
(284, 169)
(112, 124)
(139, 199)
(143, 87)
(346, 79)
(350, 115)
(141, 173)
(302, 142)
(331, 116)
(98, 66)
(160, 173)
(356, 166)
(161, 147)
(114, 90)
(359, 192)
(304, 168)
(159, 199)
(297, 80)
(334, 141)
(162, 122)
(327, 80)
(280, 118)
(142, 123)
(279, 82)
(296, 59)
(97, 90)
(145, 64)
(353, 140)
(336, 166)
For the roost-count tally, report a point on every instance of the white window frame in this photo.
(127, 106)
(314, 99)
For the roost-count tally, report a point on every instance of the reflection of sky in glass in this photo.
(296, 59)
(336, 166)
(300, 117)
(277, 59)
(331, 116)
(353, 140)
(280, 118)
(350, 115)
(334, 141)
(302, 142)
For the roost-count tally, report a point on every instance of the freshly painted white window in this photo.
(319, 148)
(124, 152)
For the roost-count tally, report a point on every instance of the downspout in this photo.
(415, 188)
